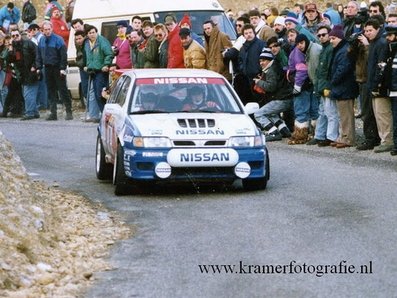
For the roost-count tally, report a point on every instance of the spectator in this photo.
(78, 25)
(392, 75)
(298, 11)
(121, 48)
(376, 8)
(392, 19)
(334, 16)
(278, 97)
(377, 55)
(9, 14)
(291, 22)
(249, 61)
(262, 31)
(344, 88)
(52, 4)
(281, 31)
(186, 23)
(99, 58)
(151, 50)
(216, 42)
(136, 23)
(136, 42)
(36, 35)
(59, 25)
(193, 52)
(175, 50)
(327, 125)
(28, 13)
(273, 15)
(160, 33)
(23, 54)
(303, 90)
(53, 58)
(350, 19)
(312, 18)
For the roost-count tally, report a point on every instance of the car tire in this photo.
(103, 170)
(120, 180)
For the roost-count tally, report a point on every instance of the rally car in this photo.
(178, 125)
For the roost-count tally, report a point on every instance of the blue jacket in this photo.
(12, 17)
(342, 76)
(377, 53)
(249, 57)
(52, 51)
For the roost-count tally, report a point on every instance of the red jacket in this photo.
(61, 29)
(175, 49)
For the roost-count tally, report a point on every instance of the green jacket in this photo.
(100, 55)
(322, 72)
(151, 53)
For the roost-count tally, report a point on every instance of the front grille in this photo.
(196, 123)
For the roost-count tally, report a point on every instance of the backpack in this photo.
(28, 13)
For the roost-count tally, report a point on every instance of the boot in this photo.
(300, 134)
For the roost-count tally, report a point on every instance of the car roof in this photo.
(171, 73)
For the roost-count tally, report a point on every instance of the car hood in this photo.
(198, 125)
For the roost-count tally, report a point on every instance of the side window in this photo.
(122, 94)
(109, 30)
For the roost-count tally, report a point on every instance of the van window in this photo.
(197, 19)
(109, 30)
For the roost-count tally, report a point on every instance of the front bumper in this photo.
(152, 164)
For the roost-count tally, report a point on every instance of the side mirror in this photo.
(251, 107)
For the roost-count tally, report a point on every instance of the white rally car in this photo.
(178, 125)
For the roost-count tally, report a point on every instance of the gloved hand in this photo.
(297, 90)
(327, 92)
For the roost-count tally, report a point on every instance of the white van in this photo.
(104, 14)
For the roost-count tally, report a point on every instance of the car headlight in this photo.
(150, 142)
(245, 141)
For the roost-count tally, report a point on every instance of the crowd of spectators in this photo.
(313, 71)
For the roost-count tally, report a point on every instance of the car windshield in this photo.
(176, 95)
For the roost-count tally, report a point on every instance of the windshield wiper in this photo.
(149, 112)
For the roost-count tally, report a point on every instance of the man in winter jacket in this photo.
(175, 50)
(262, 31)
(278, 93)
(52, 57)
(377, 56)
(216, 42)
(9, 14)
(60, 26)
(99, 58)
(28, 13)
(344, 87)
(249, 62)
(327, 126)
(23, 54)
(193, 52)
(392, 75)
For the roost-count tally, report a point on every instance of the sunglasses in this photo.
(239, 25)
(159, 35)
(322, 35)
(374, 11)
(14, 35)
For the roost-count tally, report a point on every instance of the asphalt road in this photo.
(323, 206)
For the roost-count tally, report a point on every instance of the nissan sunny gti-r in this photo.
(178, 125)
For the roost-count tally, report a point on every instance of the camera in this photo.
(115, 50)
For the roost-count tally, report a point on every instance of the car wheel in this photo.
(120, 180)
(103, 170)
(255, 184)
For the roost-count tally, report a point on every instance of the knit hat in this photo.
(311, 6)
(337, 31)
(279, 20)
(184, 32)
(122, 24)
(185, 20)
(291, 17)
(390, 29)
(302, 37)
(169, 19)
(326, 15)
(266, 54)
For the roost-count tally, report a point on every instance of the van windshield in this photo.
(197, 19)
